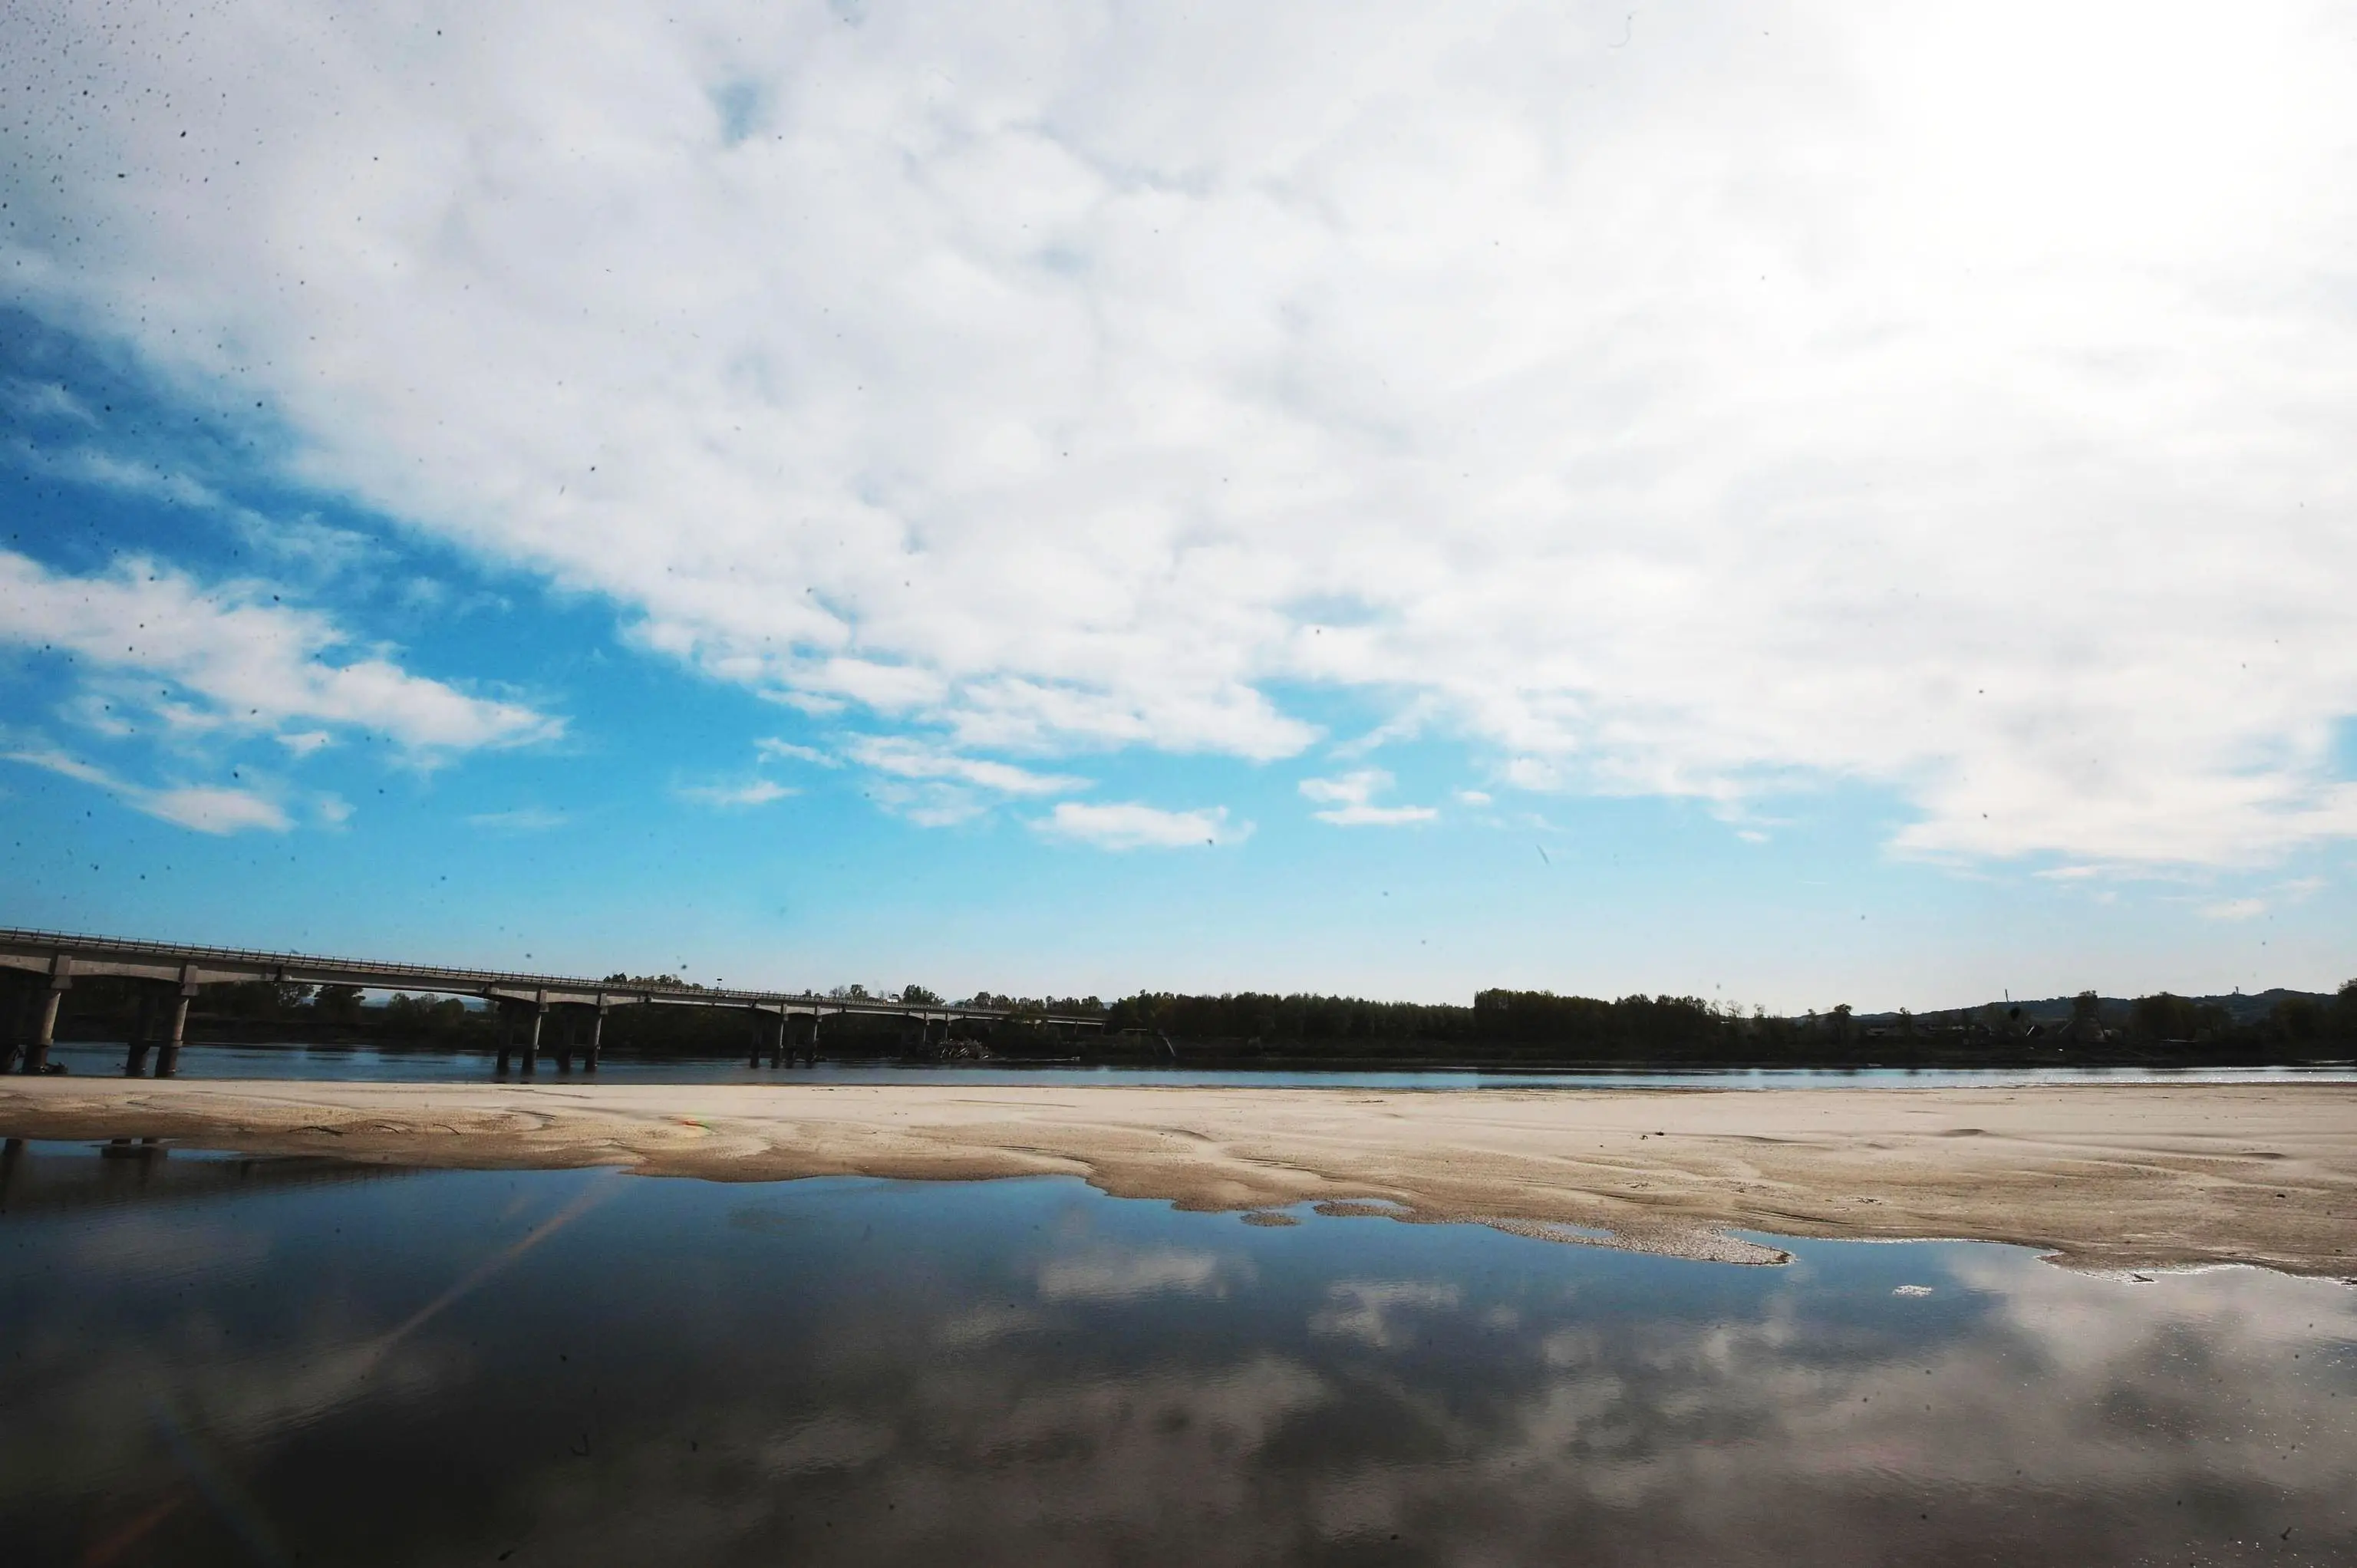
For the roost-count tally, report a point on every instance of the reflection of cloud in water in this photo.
(65, 1407)
(1123, 1276)
(1368, 1311)
(984, 1324)
(2058, 1412)
(50, 1177)
(827, 1443)
(1155, 1386)
(1011, 1463)
(130, 1245)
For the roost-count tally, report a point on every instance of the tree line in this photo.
(1500, 1025)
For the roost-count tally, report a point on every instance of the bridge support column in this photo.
(168, 1059)
(45, 1015)
(143, 1028)
(15, 1001)
(507, 1034)
(753, 1057)
(45, 1032)
(531, 1037)
(778, 1040)
(567, 1024)
(597, 1036)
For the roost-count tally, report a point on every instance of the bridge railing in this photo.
(43, 947)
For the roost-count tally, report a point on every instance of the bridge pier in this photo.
(15, 1000)
(37, 968)
(168, 1059)
(134, 1050)
(45, 1031)
(45, 1015)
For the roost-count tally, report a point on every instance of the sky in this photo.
(1791, 504)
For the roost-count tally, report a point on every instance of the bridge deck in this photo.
(60, 955)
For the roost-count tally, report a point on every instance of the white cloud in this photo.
(240, 662)
(772, 746)
(1866, 397)
(2236, 910)
(1351, 789)
(929, 805)
(206, 808)
(1376, 816)
(211, 810)
(1349, 800)
(1532, 773)
(910, 758)
(755, 792)
(1473, 797)
(1134, 826)
(44, 401)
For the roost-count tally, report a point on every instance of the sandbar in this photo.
(2117, 1177)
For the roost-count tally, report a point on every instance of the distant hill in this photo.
(2242, 1008)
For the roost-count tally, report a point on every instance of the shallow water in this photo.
(213, 1360)
(368, 1064)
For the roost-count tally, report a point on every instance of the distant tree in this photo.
(256, 998)
(918, 996)
(2086, 1017)
(425, 1015)
(2163, 1018)
(2301, 1020)
(338, 1004)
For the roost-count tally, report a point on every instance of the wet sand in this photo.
(2103, 1177)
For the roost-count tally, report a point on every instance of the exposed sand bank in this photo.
(2105, 1177)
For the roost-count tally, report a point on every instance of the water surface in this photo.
(219, 1361)
(371, 1064)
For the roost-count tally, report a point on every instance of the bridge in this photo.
(44, 966)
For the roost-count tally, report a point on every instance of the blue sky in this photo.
(1034, 501)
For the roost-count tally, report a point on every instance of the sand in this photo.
(2102, 1177)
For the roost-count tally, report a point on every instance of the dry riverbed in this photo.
(2105, 1176)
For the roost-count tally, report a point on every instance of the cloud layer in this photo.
(1706, 402)
(232, 663)
(1130, 824)
(1349, 800)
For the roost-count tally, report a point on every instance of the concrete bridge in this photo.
(44, 966)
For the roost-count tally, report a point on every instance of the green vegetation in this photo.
(1501, 1027)
(1541, 1028)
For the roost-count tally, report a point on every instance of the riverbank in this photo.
(2110, 1176)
